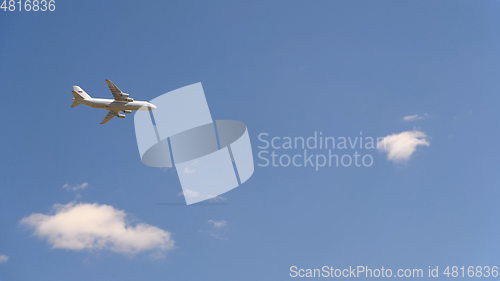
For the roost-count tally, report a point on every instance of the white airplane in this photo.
(121, 103)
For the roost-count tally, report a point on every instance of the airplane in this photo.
(121, 102)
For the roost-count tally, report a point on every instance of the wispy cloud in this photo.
(188, 193)
(3, 258)
(83, 226)
(217, 223)
(188, 170)
(217, 199)
(400, 147)
(217, 229)
(415, 117)
(76, 187)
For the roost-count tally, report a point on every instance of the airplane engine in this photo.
(127, 111)
(121, 115)
(130, 99)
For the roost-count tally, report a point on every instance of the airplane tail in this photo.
(78, 95)
(75, 103)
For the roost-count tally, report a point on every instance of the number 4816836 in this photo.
(28, 5)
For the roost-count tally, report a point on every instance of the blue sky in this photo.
(288, 68)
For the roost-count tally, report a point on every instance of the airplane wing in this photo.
(117, 93)
(108, 117)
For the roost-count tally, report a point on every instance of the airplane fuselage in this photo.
(113, 105)
(116, 107)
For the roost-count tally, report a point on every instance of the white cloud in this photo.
(189, 193)
(415, 117)
(76, 187)
(217, 229)
(400, 147)
(217, 224)
(3, 258)
(218, 199)
(188, 170)
(84, 226)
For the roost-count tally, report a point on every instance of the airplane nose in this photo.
(152, 106)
